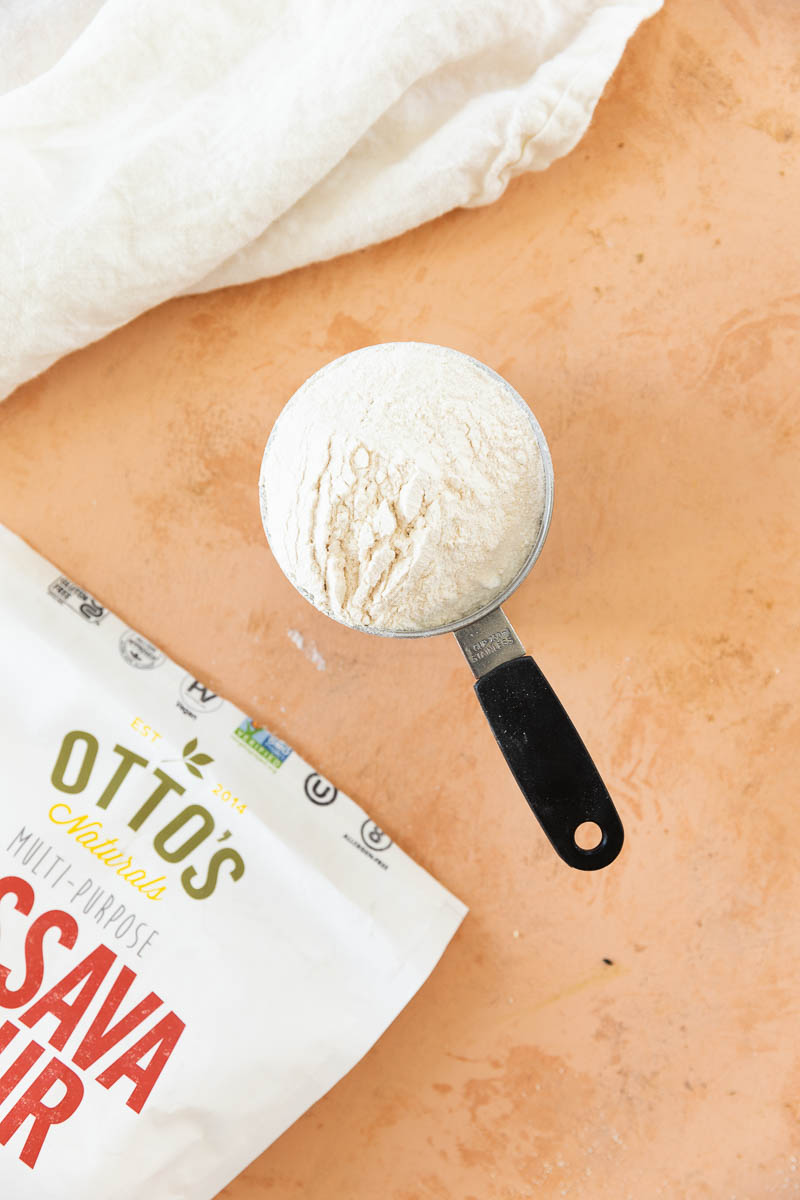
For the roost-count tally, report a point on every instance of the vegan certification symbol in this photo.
(318, 790)
(374, 838)
(196, 696)
(138, 652)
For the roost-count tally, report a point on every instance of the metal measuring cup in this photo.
(540, 744)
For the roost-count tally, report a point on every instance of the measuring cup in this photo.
(544, 751)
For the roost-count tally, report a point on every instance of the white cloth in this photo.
(156, 147)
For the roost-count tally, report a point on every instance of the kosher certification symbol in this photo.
(318, 790)
(138, 652)
(374, 838)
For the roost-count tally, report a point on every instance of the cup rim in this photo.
(536, 547)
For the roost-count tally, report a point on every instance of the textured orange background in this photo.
(642, 294)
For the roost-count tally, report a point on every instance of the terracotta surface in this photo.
(643, 295)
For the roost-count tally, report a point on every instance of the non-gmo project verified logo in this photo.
(263, 743)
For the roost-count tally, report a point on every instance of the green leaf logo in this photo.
(193, 762)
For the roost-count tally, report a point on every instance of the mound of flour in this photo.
(402, 487)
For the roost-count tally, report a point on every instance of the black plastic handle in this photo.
(549, 761)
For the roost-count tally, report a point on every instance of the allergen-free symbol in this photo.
(318, 790)
(374, 838)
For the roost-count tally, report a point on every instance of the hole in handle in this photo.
(588, 836)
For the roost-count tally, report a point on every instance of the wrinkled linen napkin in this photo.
(168, 146)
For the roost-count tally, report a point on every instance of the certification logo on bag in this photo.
(263, 743)
(318, 790)
(373, 837)
(138, 652)
(68, 593)
(197, 698)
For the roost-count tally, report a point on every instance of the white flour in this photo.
(308, 648)
(402, 487)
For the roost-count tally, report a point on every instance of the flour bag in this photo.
(199, 935)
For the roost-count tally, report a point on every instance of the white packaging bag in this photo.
(199, 935)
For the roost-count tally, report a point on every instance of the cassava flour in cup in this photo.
(402, 487)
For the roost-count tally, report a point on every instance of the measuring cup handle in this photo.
(549, 761)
